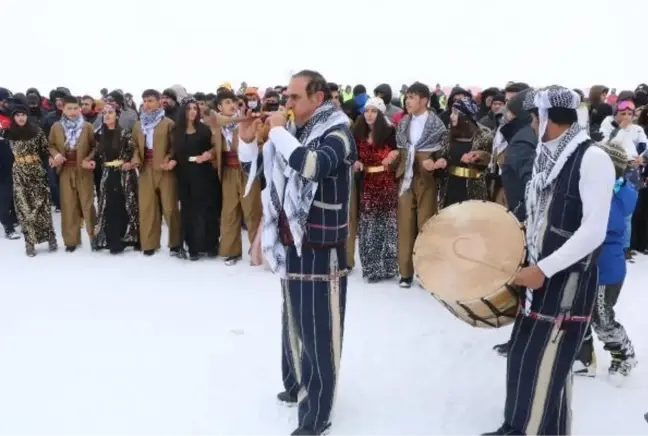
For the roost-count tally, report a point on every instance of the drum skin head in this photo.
(466, 255)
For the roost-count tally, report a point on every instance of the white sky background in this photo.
(86, 45)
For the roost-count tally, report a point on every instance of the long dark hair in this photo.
(109, 138)
(24, 133)
(180, 130)
(381, 132)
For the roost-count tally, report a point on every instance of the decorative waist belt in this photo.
(557, 319)
(27, 159)
(114, 163)
(376, 169)
(231, 159)
(466, 173)
(70, 159)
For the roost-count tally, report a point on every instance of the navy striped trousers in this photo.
(539, 378)
(314, 301)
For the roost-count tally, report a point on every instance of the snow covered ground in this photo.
(95, 344)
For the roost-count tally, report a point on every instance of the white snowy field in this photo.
(95, 344)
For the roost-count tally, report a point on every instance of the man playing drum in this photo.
(567, 205)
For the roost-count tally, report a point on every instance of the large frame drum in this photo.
(467, 257)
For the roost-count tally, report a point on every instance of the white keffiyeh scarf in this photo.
(548, 164)
(228, 133)
(149, 121)
(72, 130)
(499, 144)
(287, 190)
(546, 168)
(430, 141)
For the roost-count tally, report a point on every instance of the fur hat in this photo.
(5, 94)
(378, 103)
(19, 109)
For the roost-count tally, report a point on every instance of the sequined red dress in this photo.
(377, 232)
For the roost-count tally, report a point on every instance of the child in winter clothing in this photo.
(612, 272)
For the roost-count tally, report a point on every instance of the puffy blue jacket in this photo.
(612, 261)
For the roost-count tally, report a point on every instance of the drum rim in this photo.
(521, 262)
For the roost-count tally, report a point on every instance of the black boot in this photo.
(405, 282)
(287, 399)
(585, 363)
(503, 349)
(309, 431)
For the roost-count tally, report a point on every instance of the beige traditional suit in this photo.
(76, 183)
(156, 186)
(415, 207)
(236, 207)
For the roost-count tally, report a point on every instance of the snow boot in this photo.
(622, 364)
(12, 235)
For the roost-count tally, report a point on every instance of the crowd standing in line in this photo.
(311, 168)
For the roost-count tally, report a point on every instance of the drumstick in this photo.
(481, 262)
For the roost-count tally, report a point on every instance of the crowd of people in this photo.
(312, 168)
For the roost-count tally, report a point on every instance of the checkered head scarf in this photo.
(467, 107)
(546, 98)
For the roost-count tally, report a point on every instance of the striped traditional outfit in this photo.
(305, 227)
(553, 319)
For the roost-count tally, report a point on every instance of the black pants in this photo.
(314, 302)
(639, 238)
(198, 208)
(97, 173)
(607, 328)
(7, 211)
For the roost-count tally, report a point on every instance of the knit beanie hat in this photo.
(170, 93)
(499, 97)
(617, 153)
(376, 102)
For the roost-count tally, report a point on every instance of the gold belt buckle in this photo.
(375, 169)
(114, 163)
(466, 173)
